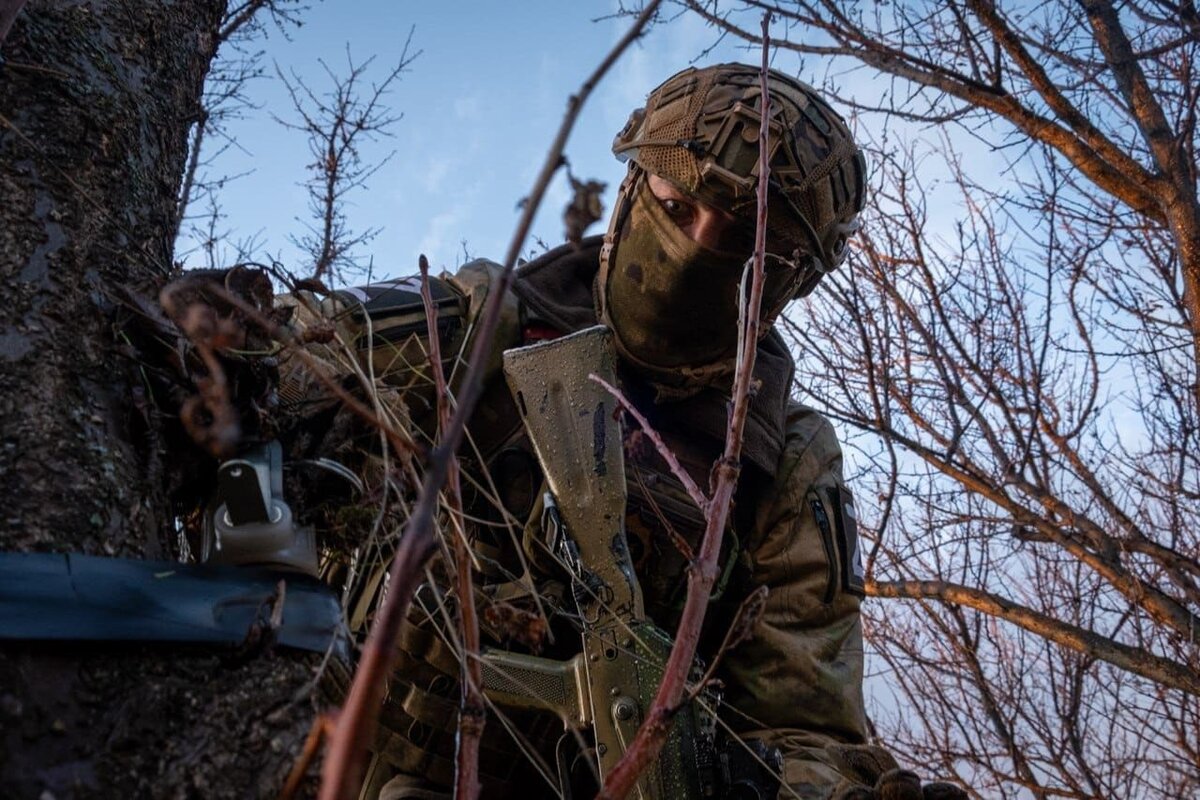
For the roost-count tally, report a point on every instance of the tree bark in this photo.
(96, 99)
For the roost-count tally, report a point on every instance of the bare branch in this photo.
(472, 708)
(1138, 661)
(344, 763)
(337, 123)
(668, 456)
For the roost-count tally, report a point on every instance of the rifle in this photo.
(609, 685)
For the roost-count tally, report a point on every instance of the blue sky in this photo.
(480, 104)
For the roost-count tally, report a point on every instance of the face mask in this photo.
(673, 304)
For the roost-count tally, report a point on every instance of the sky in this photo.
(480, 106)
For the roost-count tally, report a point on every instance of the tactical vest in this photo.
(551, 296)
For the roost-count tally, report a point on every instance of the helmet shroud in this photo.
(664, 296)
(700, 128)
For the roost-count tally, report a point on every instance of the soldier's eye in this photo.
(678, 211)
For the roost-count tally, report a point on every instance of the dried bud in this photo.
(318, 332)
(517, 624)
(584, 209)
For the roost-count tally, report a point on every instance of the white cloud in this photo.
(442, 235)
(468, 108)
(434, 170)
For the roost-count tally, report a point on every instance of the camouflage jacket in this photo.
(797, 682)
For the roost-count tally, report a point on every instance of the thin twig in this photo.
(703, 573)
(472, 709)
(677, 469)
(741, 629)
(320, 728)
(347, 752)
(1137, 660)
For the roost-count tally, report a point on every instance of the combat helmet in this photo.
(699, 131)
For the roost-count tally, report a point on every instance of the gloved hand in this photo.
(871, 773)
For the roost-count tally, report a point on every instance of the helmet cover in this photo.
(699, 130)
(673, 303)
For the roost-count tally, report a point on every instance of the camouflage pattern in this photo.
(800, 676)
(795, 683)
(699, 130)
(673, 304)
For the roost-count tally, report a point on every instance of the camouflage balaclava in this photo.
(673, 304)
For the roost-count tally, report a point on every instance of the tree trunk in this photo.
(96, 99)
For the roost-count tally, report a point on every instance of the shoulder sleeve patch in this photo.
(848, 543)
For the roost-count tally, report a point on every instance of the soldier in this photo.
(665, 279)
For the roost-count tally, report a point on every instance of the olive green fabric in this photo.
(556, 289)
(798, 681)
(672, 304)
(808, 645)
(385, 324)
